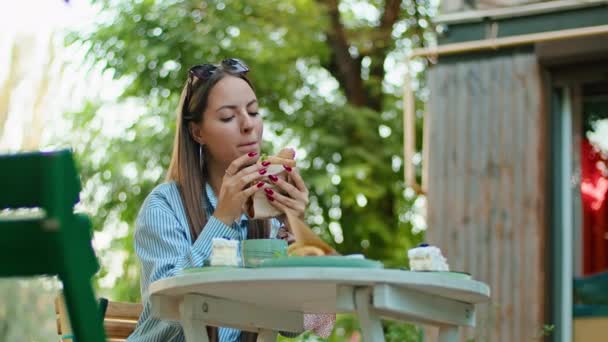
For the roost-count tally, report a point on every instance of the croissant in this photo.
(299, 249)
(307, 242)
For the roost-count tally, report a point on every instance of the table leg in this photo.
(267, 336)
(371, 326)
(448, 333)
(194, 330)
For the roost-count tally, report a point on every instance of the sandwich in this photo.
(307, 243)
(257, 206)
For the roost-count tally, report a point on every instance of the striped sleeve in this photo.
(162, 243)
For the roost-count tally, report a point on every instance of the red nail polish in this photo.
(265, 163)
(269, 191)
(273, 178)
(287, 168)
(262, 171)
(252, 154)
(260, 184)
(270, 198)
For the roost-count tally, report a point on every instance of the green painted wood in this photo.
(591, 290)
(569, 19)
(590, 311)
(24, 179)
(54, 241)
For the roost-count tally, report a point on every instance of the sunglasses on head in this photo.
(204, 72)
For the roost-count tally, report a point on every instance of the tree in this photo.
(320, 70)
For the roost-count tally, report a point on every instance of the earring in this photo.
(201, 155)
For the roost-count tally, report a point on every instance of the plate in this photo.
(321, 261)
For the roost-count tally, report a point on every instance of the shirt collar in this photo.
(213, 201)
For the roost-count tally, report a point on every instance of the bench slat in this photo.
(119, 329)
(119, 310)
(119, 322)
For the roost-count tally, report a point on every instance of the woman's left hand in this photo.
(297, 193)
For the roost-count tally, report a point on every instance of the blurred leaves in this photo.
(27, 310)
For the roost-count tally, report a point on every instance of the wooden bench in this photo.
(119, 320)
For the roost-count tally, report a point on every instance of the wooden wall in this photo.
(486, 191)
(451, 6)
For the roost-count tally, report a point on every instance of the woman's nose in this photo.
(246, 122)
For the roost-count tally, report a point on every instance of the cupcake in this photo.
(427, 258)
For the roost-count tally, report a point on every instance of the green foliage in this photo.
(397, 332)
(547, 330)
(354, 173)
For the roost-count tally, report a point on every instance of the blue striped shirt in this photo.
(164, 246)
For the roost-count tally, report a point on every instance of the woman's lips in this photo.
(248, 144)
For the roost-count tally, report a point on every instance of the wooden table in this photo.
(267, 300)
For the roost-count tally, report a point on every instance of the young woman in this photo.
(213, 172)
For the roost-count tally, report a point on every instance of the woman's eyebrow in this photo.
(235, 106)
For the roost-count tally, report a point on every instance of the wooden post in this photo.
(65, 329)
(409, 133)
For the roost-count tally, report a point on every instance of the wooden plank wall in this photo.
(451, 6)
(486, 191)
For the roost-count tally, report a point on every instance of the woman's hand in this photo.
(235, 188)
(297, 193)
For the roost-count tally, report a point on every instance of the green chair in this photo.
(51, 240)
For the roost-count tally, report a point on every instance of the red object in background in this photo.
(594, 193)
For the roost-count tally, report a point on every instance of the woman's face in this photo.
(231, 125)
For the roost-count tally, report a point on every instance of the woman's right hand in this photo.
(235, 188)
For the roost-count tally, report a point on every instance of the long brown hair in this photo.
(188, 167)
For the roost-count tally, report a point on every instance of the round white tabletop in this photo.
(274, 299)
(312, 289)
